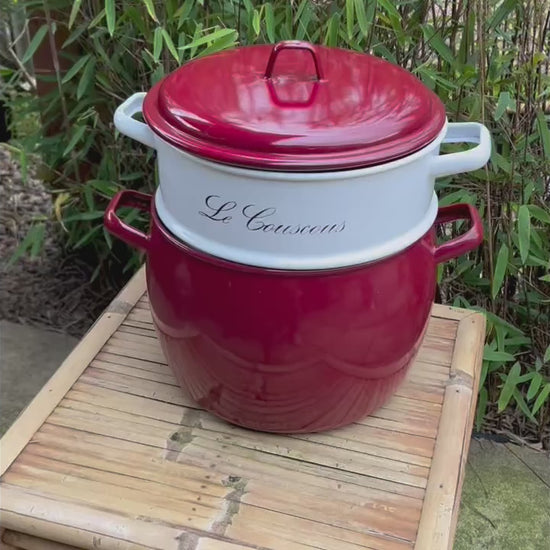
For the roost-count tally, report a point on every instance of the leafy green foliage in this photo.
(485, 60)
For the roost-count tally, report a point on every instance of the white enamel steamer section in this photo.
(297, 220)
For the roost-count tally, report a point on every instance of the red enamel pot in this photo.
(289, 351)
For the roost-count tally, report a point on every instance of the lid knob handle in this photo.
(292, 45)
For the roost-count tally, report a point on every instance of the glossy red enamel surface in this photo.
(295, 107)
(288, 351)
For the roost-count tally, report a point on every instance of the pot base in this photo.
(286, 405)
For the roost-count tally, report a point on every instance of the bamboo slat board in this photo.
(111, 454)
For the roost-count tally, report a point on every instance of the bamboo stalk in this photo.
(435, 531)
(28, 542)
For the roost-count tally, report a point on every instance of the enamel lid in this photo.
(294, 107)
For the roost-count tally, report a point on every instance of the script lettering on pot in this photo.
(217, 209)
(261, 219)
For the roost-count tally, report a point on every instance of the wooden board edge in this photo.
(449, 312)
(34, 415)
(22, 541)
(440, 509)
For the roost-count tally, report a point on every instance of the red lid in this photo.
(294, 107)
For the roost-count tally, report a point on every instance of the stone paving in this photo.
(28, 357)
(505, 500)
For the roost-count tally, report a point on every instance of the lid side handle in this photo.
(292, 45)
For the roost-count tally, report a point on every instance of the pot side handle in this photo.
(130, 126)
(464, 161)
(121, 229)
(464, 243)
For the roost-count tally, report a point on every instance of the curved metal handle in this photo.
(465, 161)
(122, 230)
(292, 103)
(292, 45)
(464, 243)
(130, 126)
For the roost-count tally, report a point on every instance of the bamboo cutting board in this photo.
(111, 454)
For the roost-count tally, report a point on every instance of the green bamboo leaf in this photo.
(481, 407)
(35, 43)
(131, 215)
(494, 320)
(331, 36)
(546, 357)
(389, 8)
(89, 197)
(484, 373)
(132, 176)
(534, 386)
(84, 216)
(507, 389)
(196, 36)
(270, 22)
(501, 13)
(303, 20)
(79, 132)
(157, 43)
(520, 401)
(544, 133)
(108, 238)
(500, 334)
(541, 399)
(151, 9)
(221, 44)
(539, 213)
(104, 187)
(256, 22)
(300, 11)
(500, 269)
(88, 236)
(527, 377)
(436, 42)
(74, 12)
(362, 16)
(37, 240)
(350, 22)
(524, 232)
(170, 45)
(394, 18)
(183, 12)
(517, 341)
(216, 35)
(110, 14)
(75, 68)
(97, 19)
(35, 235)
(86, 78)
(502, 104)
(497, 356)
(75, 35)
(466, 40)
(133, 15)
(24, 165)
